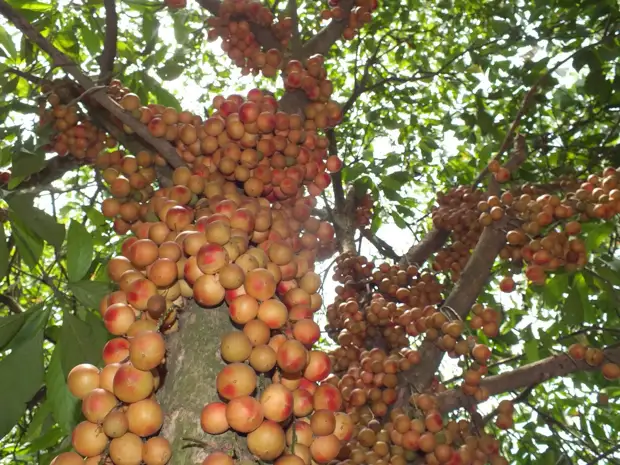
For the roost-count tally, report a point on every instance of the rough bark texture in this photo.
(192, 363)
(420, 252)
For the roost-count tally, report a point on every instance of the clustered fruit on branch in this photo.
(202, 238)
(359, 16)
(544, 227)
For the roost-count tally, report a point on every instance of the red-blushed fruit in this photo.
(218, 458)
(147, 350)
(139, 292)
(115, 350)
(88, 439)
(126, 450)
(292, 356)
(319, 366)
(145, 417)
(273, 313)
(611, 371)
(243, 309)
(213, 418)
(577, 351)
(82, 379)
(507, 284)
(327, 396)
(268, 441)
(208, 292)
(277, 402)
(288, 459)
(156, 451)
(324, 449)
(302, 433)
(260, 284)
(307, 332)
(131, 384)
(68, 458)
(118, 318)
(97, 404)
(106, 377)
(235, 380)
(302, 402)
(244, 414)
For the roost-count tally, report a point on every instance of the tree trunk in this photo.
(192, 363)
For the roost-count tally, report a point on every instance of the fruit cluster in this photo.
(358, 17)
(204, 238)
(375, 315)
(363, 211)
(595, 357)
(546, 236)
(74, 134)
(233, 25)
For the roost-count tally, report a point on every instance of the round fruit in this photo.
(82, 379)
(126, 450)
(147, 350)
(267, 442)
(244, 414)
(156, 451)
(235, 380)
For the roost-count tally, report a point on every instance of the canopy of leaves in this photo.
(429, 90)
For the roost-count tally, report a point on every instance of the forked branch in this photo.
(100, 96)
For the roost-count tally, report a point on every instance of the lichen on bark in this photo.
(192, 363)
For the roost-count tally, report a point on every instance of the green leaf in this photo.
(26, 162)
(21, 376)
(29, 245)
(9, 326)
(79, 251)
(63, 404)
(572, 312)
(35, 427)
(91, 40)
(4, 253)
(181, 28)
(7, 43)
(531, 350)
(47, 440)
(89, 293)
(36, 319)
(43, 224)
(80, 342)
(171, 70)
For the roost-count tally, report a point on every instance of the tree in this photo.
(234, 201)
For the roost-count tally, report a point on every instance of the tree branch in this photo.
(383, 247)
(460, 300)
(28, 76)
(106, 60)
(291, 8)
(11, 304)
(264, 36)
(61, 60)
(326, 37)
(527, 375)
(421, 251)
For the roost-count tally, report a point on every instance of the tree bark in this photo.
(192, 363)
